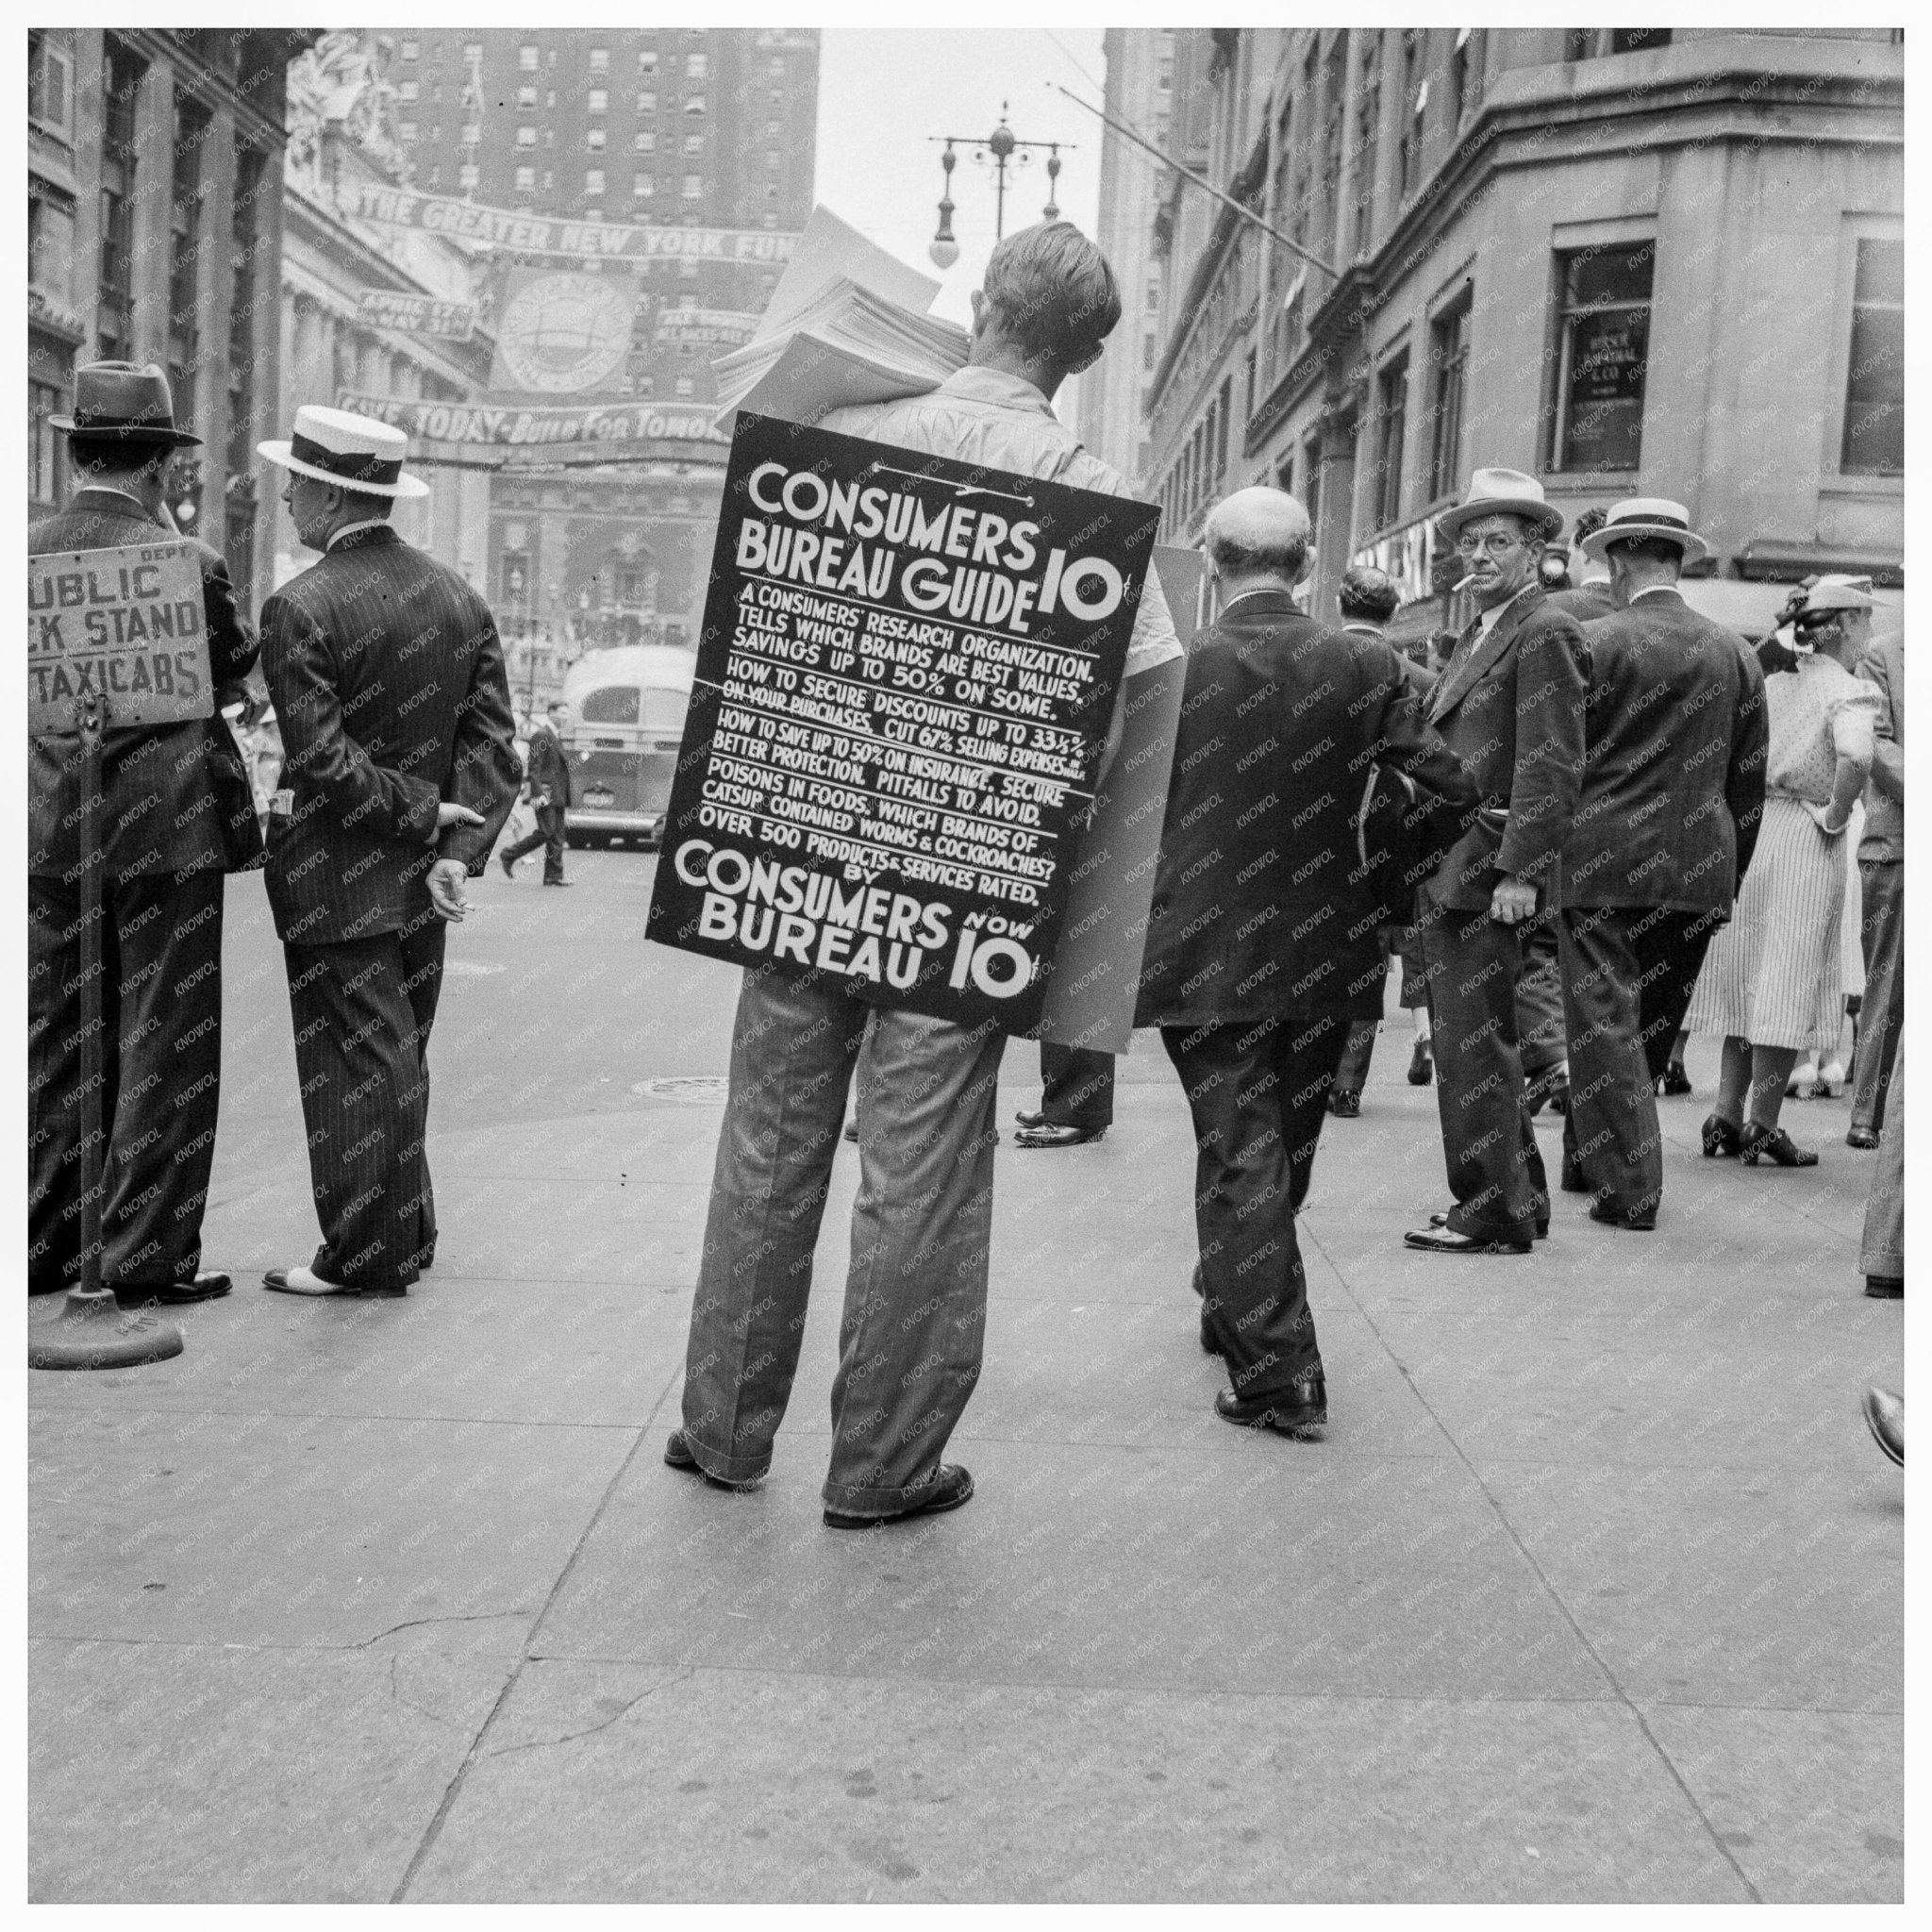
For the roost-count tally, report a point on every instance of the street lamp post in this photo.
(1003, 147)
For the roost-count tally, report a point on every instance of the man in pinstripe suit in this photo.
(398, 773)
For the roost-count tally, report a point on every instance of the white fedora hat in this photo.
(1647, 516)
(1501, 493)
(357, 452)
(1838, 592)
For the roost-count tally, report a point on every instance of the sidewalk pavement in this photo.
(1593, 1592)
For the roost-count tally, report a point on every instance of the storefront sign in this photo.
(507, 425)
(416, 315)
(905, 676)
(125, 625)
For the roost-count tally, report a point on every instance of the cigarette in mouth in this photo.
(1465, 583)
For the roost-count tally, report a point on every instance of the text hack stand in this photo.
(113, 637)
(905, 679)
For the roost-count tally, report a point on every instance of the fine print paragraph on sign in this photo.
(903, 687)
(125, 626)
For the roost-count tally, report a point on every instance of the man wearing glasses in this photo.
(1510, 706)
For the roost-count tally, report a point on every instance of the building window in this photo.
(685, 386)
(771, 158)
(1601, 355)
(407, 129)
(1448, 378)
(435, 179)
(647, 103)
(473, 134)
(1410, 149)
(1465, 74)
(527, 97)
(411, 50)
(771, 194)
(467, 176)
(528, 58)
(594, 180)
(593, 139)
(1226, 411)
(527, 136)
(1147, 355)
(693, 143)
(1638, 40)
(643, 187)
(472, 53)
(695, 66)
(409, 90)
(252, 179)
(184, 257)
(50, 86)
(1248, 390)
(50, 247)
(696, 105)
(114, 317)
(1874, 438)
(693, 186)
(647, 60)
(1579, 42)
(600, 60)
(600, 100)
(1311, 486)
(594, 214)
(526, 179)
(43, 445)
(1391, 409)
(644, 141)
(1368, 142)
(773, 129)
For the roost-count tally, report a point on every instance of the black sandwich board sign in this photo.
(904, 682)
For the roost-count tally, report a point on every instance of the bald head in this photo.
(1259, 532)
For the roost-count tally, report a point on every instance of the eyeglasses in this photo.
(1498, 543)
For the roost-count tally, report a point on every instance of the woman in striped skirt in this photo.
(1760, 985)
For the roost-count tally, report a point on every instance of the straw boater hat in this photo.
(1837, 594)
(1647, 516)
(1501, 493)
(357, 452)
(126, 401)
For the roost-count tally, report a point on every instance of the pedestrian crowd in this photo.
(1586, 825)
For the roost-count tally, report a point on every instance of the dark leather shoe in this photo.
(1303, 1404)
(1030, 1119)
(173, 1294)
(1551, 1089)
(1675, 1079)
(1542, 1227)
(556, 882)
(1572, 1181)
(1446, 1241)
(305, 1281)
(1345, 1104)
(1863, 1139)
(1722, 1141)
(1050, 1135)
(510, 869)
(852, 1128)
(1422, 1067)
(951, 1487)
(678, 1455)
(1885, 1416)
(1886, 1287)
(1619, 1217)
(1774, 1144)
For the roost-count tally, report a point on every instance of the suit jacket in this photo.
(549, 770)
(389, 686)
(1884, 664)
(1673, 776)
(176, 797)
(1586, 603)
(1510, 706)
(1260, 905)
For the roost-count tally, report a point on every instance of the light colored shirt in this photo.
(350, 529)
(1817, 714)
(1656, 591)
(1487, 620)
(987, 416)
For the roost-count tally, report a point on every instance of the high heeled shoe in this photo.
(1774, 1144)
(1722, 1141)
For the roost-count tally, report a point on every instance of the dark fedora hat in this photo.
(127, 401)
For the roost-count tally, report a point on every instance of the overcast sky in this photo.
(881, 92)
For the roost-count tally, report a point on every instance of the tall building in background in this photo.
(155, 234)
(1111, 417)
(670, 128)
(1631, 261)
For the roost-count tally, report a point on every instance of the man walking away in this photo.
(176, 814)
(550, 797)
(387, 678)
(1672, 791)
(1881, 879)
(1261, 939)
(1510, 704)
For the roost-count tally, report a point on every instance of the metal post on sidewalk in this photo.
(92, 1331)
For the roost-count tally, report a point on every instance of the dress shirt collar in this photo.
(355, 529)
(1657, 591)
(981, 384)
(1491, 618)
(126, 496)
